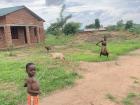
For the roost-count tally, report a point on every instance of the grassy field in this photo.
(87, 51)
(52, 74)
(90, 52)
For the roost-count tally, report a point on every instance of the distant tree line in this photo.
(95, 25)
(62, 26)
(128, 26)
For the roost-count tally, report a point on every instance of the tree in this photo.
(71, 28)
(129, 24)
(57, 28)
(112, 28)
(54, 29)
(97, 23)
(90, 26)
(62, 20)
(120, 25)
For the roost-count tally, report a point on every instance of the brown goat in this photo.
(48, 48)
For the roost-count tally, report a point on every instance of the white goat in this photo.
(58, 56)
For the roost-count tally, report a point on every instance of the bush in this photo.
(90, 26)
(129, 24)
(112, 28)
(71, 28)
(131, 29)
(54, 29)
(97, 23)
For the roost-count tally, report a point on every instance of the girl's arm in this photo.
(99, 43)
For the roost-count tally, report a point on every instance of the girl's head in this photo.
(105, 38)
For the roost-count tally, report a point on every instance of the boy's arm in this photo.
(25, 84)
(30, 89)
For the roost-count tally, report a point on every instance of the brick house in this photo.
(20, 26)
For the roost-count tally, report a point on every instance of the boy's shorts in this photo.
(32, 100)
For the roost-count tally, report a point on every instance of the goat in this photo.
(48, 48)
(58, 56)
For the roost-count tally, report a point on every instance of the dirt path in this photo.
(99, 79)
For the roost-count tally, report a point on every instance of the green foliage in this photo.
(129, 99)
(120, 25)
(132, 29)
(61, 40)
(54, 29)
(71, 28)
(57, 28)
(111, 98)
(90, 26)
(112, 28)
(97, 23)
(129, 24)
(136, 28)
(62, 20)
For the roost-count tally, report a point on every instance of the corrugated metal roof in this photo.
(5, 11)
(93, 29)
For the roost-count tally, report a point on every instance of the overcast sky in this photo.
(83, 11)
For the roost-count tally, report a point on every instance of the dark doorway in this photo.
(14, 32)
(19, 36)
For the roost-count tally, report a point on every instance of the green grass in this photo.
(52, 75)
(137, 28)
(129, 99)
(115, 48)
(111, 98)
(60, 40)
(90, 57)
(123, 47)
(87, 51)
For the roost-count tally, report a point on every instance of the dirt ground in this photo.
(99, 79)
(94, 36)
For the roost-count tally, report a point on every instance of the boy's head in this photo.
(30, 69)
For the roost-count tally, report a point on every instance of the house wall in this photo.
(2, 20)
(32, 34)
(2, 41)
(42, 33)
(23, 17)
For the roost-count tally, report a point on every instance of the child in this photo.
(32, 85)
(103, 47)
